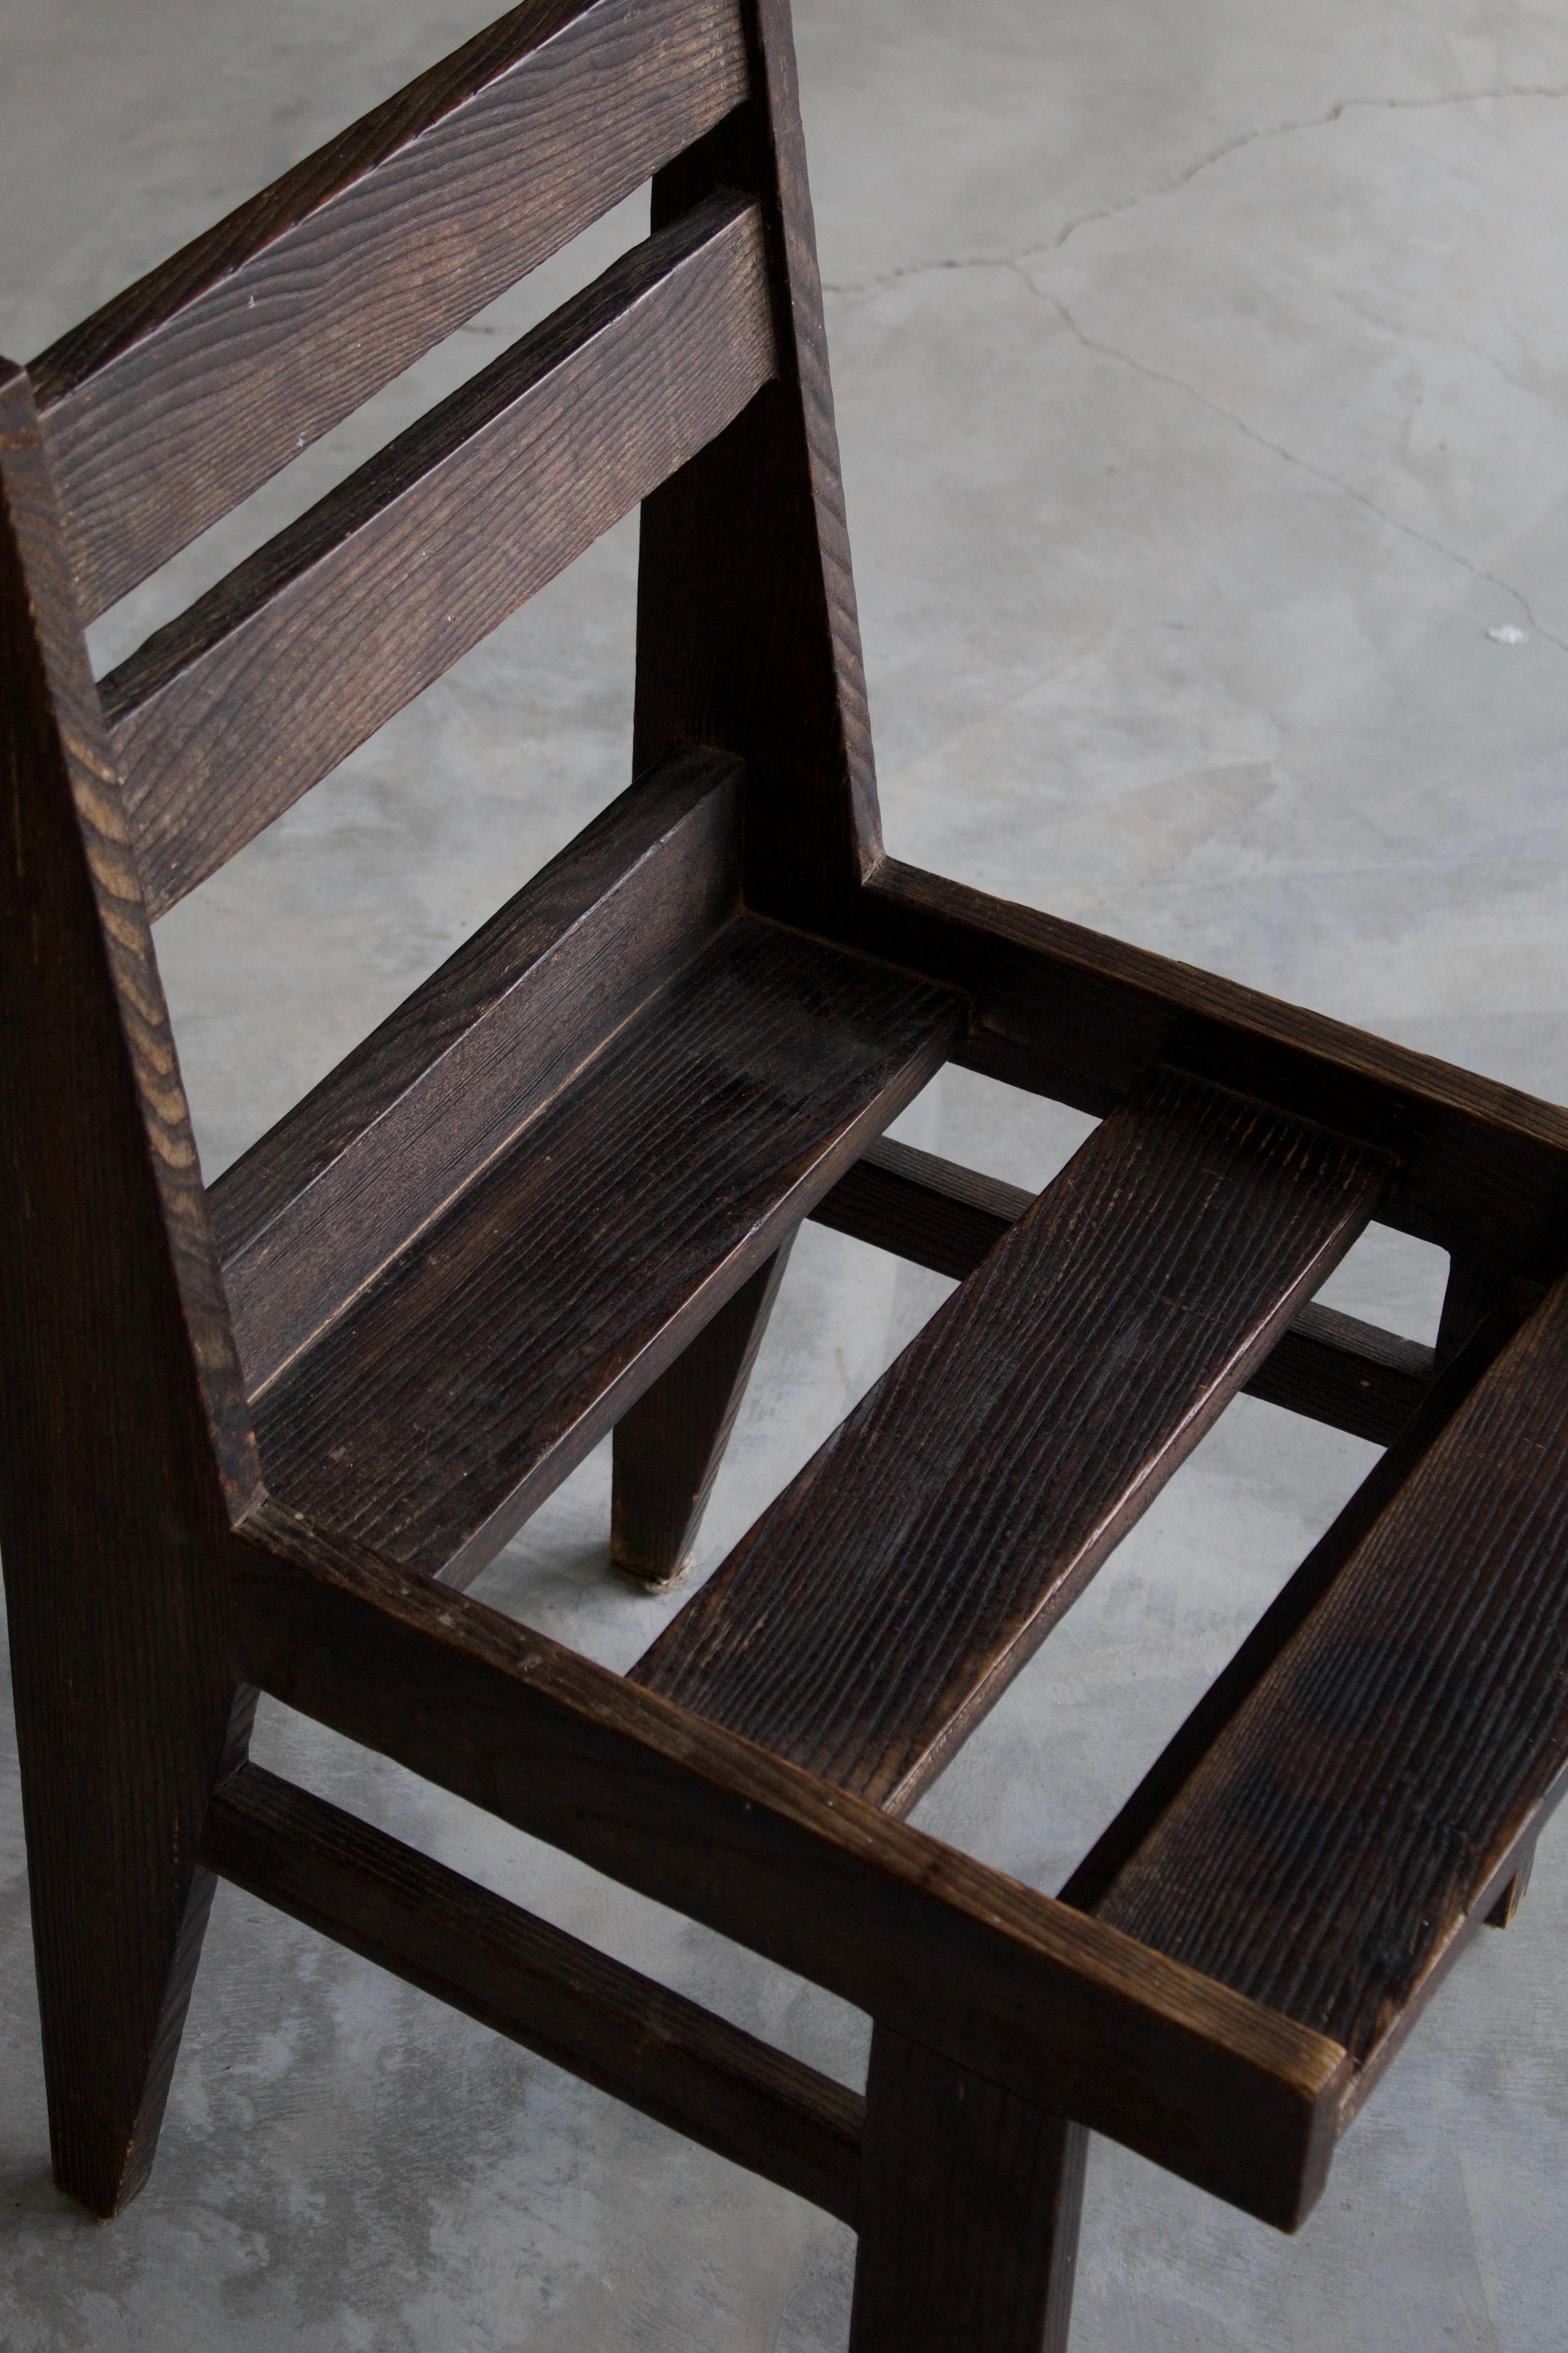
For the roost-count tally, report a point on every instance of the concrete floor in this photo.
(1201, 378)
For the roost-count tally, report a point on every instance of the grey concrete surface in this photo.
(1201, 379)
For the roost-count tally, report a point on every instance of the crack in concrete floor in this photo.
(851, 289)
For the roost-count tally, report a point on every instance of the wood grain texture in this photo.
(969, 2211)
(1070, 1014)
(1022, 1991)
(1301, 1594)
(660, 2054)
(747, 631)
(223, 719)
(1333, 1368)
(387, 1140)
(489, 1358)
(123, 1431)
(184, 394)
(882, 1604)
(1365, 1802)
(669, 1448)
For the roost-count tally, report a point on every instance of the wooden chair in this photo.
(257, 1436)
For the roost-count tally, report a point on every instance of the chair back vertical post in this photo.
(747, 630)
(123, 1419)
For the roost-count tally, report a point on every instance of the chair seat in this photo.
(888, 1597)
(486, 1360)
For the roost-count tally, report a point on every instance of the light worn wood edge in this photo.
(1514, 1861)
(1010, 1983)
(777, 76)
(152, 1057)
(538, 1985)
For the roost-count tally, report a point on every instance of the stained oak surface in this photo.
(176, 399)
(1333, 1368)
(669, 1448)
(223, 719)
(747, 629)
(544, 1989)
(123, 1431)
(489, 1358)
(1352, 1815)
(1024, 1990)
(323, 1201)
(1078, 1017)
(969, 2211)
(887, 1598)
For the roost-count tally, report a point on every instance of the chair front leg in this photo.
(969, 2208)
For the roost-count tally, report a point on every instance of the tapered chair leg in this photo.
(970, 2200)
(668, 1449)
(118, 1752)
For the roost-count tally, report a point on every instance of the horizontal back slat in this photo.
(184, 394)
(429, 1099)
(227, 715)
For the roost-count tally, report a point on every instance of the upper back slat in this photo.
(227, 716)
(188, 391)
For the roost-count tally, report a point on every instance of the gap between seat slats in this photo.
(195, 386)
(1336, 1831)
(886, 1599)
(225, 717)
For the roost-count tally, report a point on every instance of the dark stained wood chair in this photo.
(259, 1435)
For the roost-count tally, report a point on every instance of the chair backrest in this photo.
(691, 377)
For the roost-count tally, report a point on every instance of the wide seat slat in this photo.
(225, 717)
(488, 1358)
(179, 397)
(1356, 1812)
(885, 1601)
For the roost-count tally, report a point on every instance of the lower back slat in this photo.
(484, 1360)
(885, 1601)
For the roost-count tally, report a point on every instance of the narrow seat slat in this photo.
(179, 397)
(1333, 1368)
(1354, 1816)
(225, 717)
(488, 1358)
(886, 1601)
